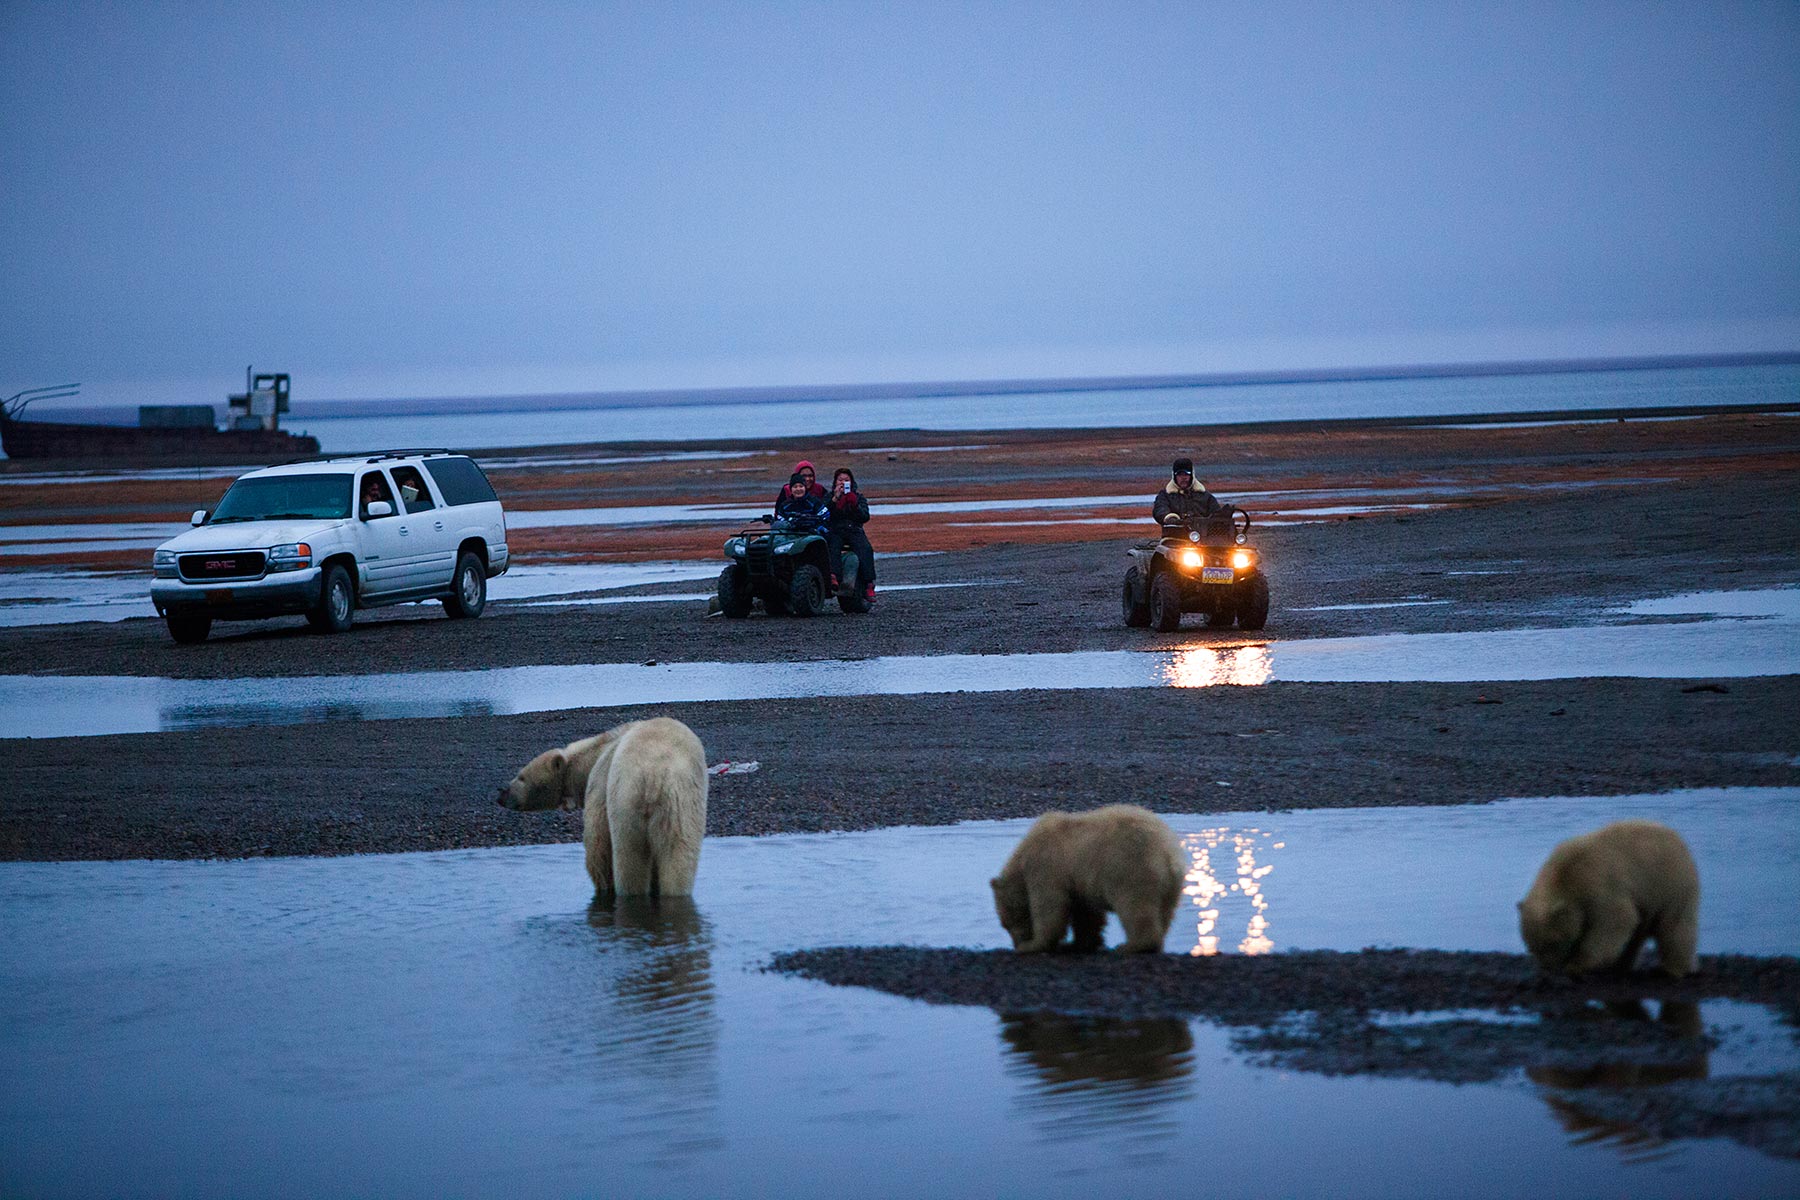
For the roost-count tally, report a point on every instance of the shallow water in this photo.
(1762, 637)
(461, 1024)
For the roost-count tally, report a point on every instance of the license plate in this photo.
(219, 596)
(1215, 575)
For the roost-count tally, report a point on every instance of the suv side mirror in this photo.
(378, 508)
(199, 517)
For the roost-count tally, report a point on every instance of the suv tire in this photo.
(337, 602)
(190, 629)
(468, 587)
(1165, 603)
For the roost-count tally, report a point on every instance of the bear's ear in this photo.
(994, 883)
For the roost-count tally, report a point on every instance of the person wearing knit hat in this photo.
(1184, 496)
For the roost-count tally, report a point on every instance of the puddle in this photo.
(461, 1023)
(76, 706)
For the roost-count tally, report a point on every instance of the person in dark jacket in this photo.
(812, 481)
(1184, 496)
(849, 513)
(803, 510)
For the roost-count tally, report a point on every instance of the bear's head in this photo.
(1551, 930)
(538, 785)
(1013, 905)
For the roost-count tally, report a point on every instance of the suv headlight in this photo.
(164, 565)
(290, 556)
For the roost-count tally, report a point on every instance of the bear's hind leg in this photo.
(1677, 940)
(1146, 924)
(597, 841)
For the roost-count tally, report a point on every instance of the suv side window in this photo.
(413, 490)
(461, 481)
(374, 487)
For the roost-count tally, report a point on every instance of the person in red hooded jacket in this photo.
(813, 486)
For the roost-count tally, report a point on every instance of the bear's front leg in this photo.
(1049, 920)
(1611, 929)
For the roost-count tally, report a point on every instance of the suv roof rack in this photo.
(378, 456)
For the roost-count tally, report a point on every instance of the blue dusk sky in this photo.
(391, 199)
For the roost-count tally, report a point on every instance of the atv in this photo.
(1203, 568)
(785, 566)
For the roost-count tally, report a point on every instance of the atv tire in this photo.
(806, 592)
(1253, 607)
(734, 591)
(1137, 612)
(1165, 603)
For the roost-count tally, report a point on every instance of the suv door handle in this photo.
(403, 531)
(438, 525)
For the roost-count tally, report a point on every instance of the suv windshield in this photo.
(285, 497)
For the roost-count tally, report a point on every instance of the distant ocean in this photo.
(1223, 404)
(512, 422)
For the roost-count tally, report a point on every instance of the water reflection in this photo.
(1682, 1022)
(1084, 1073)
(1209, 893)
(1202, 666)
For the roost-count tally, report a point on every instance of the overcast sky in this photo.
(446, 199)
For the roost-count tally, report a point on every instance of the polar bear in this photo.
(1600, 896)
(1072, 868)
(641, 788)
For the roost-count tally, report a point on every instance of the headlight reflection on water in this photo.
(1210, 895)
(1202, 666)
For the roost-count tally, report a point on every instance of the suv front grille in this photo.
(227, 564)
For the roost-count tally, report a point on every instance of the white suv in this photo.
(329, 536)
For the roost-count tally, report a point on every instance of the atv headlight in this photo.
(1242, 559)
(734, 547)
(165, 564)
(787, 547)
(291, 556)
(1191, 559)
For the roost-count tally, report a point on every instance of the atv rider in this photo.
(811, 514)
(813, 486)
(1184, 496)
(849, 513)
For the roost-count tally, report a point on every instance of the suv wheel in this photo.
(1137, 613)
(1165, 603)
(734, 591)
(337, 602)
(189, 629)
(468, 587)
(806, 593)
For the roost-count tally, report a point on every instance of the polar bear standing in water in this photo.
(1601, 896)
(641, 789)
